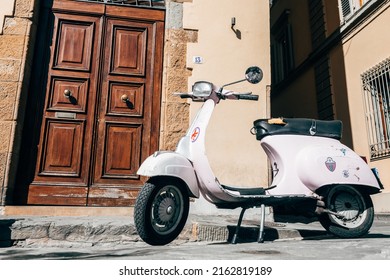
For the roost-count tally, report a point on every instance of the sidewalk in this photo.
(58, 231)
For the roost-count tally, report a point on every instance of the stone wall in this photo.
(15, 61)
(175, 111)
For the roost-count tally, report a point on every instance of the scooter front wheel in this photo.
(355, 212)
(160, 212)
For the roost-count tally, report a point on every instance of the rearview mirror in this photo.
(254, 75)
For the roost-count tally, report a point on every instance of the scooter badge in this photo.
(195, 134)
(330, 164)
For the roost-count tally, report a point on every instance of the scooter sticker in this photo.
(330, 164)
(195, 134)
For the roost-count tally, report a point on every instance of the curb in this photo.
(113, 231)
(382, 216)
(39, 232)
(65, 232)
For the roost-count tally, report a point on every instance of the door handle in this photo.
(124, 98)
(67, 93)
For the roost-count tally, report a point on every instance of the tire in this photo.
(160, 213)
(357, 210)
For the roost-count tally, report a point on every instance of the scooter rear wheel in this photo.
(356, 212)
(160, 213)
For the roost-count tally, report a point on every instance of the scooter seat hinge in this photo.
(313, 128)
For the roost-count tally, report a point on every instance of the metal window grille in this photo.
(376, 90)
(144, 3)
(346, 7)
(350, 7)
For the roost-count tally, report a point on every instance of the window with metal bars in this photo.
(376, 91)
(349, 7)
(144, 3)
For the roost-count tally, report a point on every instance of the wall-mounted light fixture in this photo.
(233, 22)
(235, 30)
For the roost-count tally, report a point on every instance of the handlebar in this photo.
(236, 96)
(252, 97)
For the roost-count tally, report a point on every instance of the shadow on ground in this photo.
(5, 233)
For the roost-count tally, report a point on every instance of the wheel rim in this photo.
(167, 209)
(350, 204)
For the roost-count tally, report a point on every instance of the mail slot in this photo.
(65, 115)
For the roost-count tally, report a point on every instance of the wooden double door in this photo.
(102, 107)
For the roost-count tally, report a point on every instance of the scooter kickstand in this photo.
(260, 239)
(234, 239)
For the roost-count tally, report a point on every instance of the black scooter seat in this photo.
(246, 191)
(298, 126)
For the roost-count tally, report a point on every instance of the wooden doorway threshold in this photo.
(67, 211)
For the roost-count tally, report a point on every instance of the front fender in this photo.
(171, 164)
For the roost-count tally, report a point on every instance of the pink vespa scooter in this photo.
(313, 173)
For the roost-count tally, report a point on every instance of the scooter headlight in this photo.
(202, 89)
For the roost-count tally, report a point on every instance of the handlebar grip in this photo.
(248, 97)
(185, 96)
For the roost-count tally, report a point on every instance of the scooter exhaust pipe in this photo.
(321, 210)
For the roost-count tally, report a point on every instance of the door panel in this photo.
(77, 99)
(125, 103)
(101, 117)
(128, 48)
(66, 138)
(70, 102)
(121, 156)
(125, 99)
(128, 110)
(62, 154)
(55, 195)
(75, 42)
